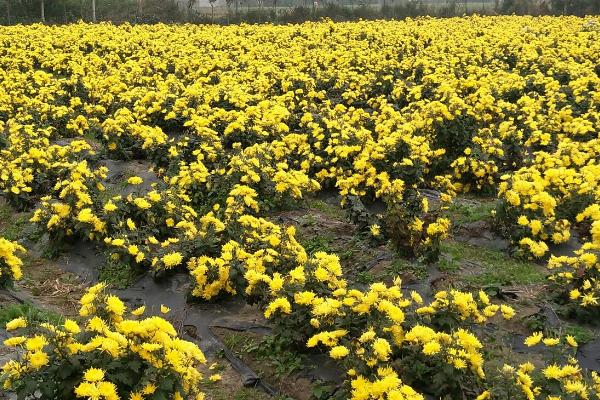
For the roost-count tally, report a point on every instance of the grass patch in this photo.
(274, 355)
(11, 311)
(236, 342)
(318, 243)
(216, 391)
(581, 334)
(352, 250)
(402, 266)
(448, 263)
(277, 355)
(12, 223)
(328, 209)
(461, 213)
(498, 268)
(119, 275)
(366, 277)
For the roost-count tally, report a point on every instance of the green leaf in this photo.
(166, 384)
(159, 396)
(123, 377)
(134, 365)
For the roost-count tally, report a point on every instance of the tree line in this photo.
(277, 11)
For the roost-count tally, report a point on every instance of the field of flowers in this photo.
(238, 124)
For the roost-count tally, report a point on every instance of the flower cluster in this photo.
(370, 331)
(110, 353)
(560, 376)
(10, 261)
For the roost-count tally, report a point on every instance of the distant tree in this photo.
(8, 18)
(212, 9)
(228, 3)
(188, 10)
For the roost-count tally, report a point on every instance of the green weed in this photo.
(498, 268)
(119, 275)
(32, 313)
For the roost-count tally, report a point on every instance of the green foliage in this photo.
(277, 354)
(273, 351)
(461, 213)
(576, 7)
(322, 390)
(366, 277)
(402, 266)
(218, 392)
(582, 334)
(324, 207)
(12, 224)
(119, 275)
(318, 243)
(498, 268)
(8, 312)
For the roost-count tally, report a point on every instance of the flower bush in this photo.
(10, 262)
(109, 353)
(558, 376)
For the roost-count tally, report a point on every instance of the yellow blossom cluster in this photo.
(110, 353)
(10, 261)
(560, 378)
